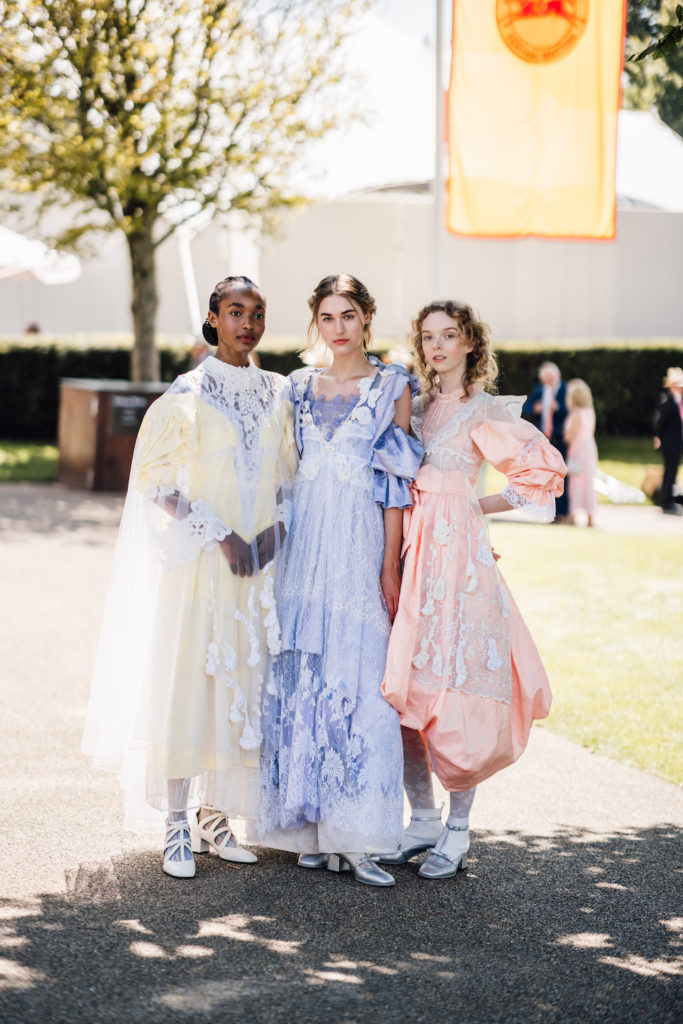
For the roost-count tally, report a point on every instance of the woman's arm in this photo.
(390, 576)
(494, 503)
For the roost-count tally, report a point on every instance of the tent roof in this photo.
(394, 143)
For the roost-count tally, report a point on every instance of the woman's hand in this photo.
(390, 582)
(238, 554)
(268, 543)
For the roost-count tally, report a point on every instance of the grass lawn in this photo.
(605, 611)
(32, 461)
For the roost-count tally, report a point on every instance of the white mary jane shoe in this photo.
(177, 841)
(214, 831)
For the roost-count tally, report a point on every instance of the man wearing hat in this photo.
(669, 436)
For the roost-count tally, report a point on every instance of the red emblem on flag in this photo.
(540, 31)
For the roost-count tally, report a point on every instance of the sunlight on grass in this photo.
(605, 611)
(23, 461)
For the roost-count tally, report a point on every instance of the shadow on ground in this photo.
(28, 510)
(572, 927)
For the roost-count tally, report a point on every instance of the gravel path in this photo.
(569, 911)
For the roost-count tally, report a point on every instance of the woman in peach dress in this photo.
(462, 669)
(582, 453)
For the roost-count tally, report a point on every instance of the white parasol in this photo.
(20, 256)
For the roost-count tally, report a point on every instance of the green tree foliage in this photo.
(136, 115)
(654, 31)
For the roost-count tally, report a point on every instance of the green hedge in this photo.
(626, 383)
(626, 380)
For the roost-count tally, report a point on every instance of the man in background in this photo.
(546, 408)
(669, 437)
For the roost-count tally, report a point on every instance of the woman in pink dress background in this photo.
(462, 669)
(582, 453)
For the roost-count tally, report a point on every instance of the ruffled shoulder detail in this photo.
(511, 404)
(298, 383)
(396, 456)
(396, 377)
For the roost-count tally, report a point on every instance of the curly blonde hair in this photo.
(353, 290)
(481, 366)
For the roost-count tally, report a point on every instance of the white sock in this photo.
(178, 790)
(417, 775)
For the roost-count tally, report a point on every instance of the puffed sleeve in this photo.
(167, 443)
(298, 381)
(167, 438)
(534, 469)
(396, 456)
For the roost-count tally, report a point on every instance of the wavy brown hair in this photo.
(353, 290)
(481, 366)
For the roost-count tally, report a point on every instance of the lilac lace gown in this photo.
(331, 774)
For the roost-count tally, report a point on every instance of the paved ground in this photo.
(570, 909)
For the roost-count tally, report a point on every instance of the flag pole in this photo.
(438, 186)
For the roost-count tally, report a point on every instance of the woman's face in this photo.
(444, 348)
(341, 324)
(240, 323)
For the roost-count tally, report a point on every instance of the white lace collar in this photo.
(233, 375)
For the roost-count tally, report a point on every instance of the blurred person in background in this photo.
(582, 452)
(546, 408)
(669, 437)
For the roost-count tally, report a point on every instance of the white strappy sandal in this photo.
(177, 841)
(214, 831)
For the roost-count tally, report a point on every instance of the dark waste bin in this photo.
(98, 424)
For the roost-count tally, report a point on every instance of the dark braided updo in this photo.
(217, 295)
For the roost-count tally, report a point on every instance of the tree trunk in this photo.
(144, 357)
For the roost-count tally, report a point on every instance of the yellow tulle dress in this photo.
(177, 684)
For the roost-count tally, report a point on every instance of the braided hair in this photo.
(217, 295)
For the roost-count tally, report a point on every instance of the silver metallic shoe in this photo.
(313, 860)
(364, 868)
(416, 838)
(449, 855)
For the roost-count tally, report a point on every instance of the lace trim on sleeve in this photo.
(539, 513)
(188, 535)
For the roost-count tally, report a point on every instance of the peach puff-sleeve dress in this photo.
(462, 667)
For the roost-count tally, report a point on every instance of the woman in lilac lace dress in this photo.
(331, 757)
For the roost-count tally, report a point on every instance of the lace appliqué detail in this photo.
(462, 639)
(338, 770)
(245, 396)
(539, 513)
(187, 528)
(221, 664)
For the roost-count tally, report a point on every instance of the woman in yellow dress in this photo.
(190, 616)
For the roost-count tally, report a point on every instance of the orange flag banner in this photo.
(533, 101)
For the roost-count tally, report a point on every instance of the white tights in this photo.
(417, 779)
(178, 791)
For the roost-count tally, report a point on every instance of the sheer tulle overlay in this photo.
(462, 667)
(332, 760)
(177, 685)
